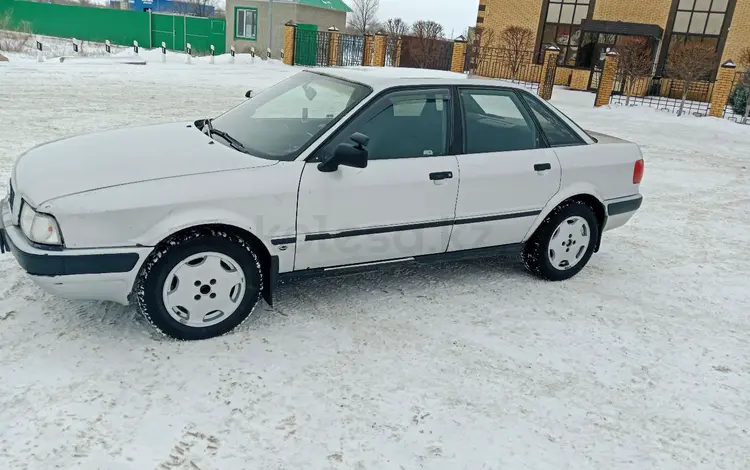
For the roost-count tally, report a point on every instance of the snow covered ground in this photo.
(642, 361)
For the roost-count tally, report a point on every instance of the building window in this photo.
(246, 23)
(562, 27)
(699, 21)
(482, 7)
(480, 19)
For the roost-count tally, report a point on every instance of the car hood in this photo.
(111, 158)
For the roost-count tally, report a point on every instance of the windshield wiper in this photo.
(236, 144)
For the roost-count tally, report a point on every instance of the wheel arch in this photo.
(585, 193)
(269, 263)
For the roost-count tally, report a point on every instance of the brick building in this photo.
(586, 29)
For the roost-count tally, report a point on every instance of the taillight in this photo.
(638, 172)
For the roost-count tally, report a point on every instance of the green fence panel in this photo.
(179, 33)
(119, 26)
(90, 24)
(163, 30)
(218, 35)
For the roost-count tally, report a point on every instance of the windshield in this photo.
(283, 120)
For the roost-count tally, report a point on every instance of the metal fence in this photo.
(738, 97)
(351, 50)
(392, 52)
(662, 93)
(505, 64)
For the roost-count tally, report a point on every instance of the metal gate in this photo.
(312, 48)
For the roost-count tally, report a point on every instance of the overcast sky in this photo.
(454, 15)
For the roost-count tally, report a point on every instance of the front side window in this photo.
(558, 134)
(496, 121)
(562, 27)
(246, 23)
(280, 122)
(402, 124)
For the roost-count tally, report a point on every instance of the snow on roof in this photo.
(384, 77)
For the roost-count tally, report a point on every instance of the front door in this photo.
(401, 205)
(508, 172)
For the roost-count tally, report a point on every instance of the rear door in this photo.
(508, 172)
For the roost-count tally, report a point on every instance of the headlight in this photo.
(39, 228)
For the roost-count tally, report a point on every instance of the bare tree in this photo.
(690, 62)
(363, 19)
(745, 83)
(517, 42)
(636, 62)
(394, 28)
(427, 44)
(485, 44)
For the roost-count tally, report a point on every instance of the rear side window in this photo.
(496, 120)
(557, 132)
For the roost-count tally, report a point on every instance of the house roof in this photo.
(327, 4)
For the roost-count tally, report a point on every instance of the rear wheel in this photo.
(564, 243)
(200, 285)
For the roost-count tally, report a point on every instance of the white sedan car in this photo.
(325, 172)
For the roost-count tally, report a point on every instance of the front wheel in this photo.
(200, 285)
(564, 243)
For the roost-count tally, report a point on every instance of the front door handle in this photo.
(542, 167)
(441, 175)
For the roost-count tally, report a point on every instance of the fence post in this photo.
(399, 46)
(233, 53)
(381, 43)
(39, 52)
(607, 80)
(722, 88)
(458, 61)
(333, 58)
(135, 47)
(213, 52)
(108, 47)
(189, 50)
(367, 52)
(549, 69)
(290, 34)
(163, 52)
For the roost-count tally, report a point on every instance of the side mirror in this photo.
(249, 94)
(347, 154)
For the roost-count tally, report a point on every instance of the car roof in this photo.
(380, 78)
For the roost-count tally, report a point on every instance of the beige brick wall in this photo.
(579, 79)
(739, 33)
(635, 11)
(500, 14)
(562, 76)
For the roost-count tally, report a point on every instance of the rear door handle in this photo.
(542, 167)
(441, 175)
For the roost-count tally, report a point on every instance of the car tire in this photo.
(199, 285)
(555, 252)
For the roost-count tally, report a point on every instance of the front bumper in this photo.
(86, 274)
